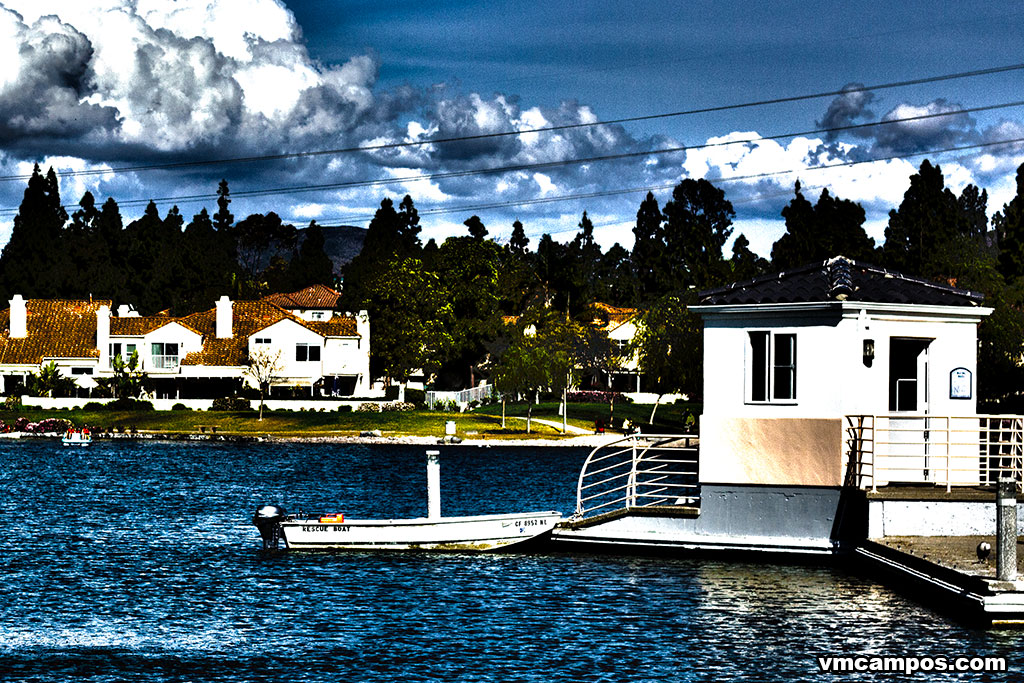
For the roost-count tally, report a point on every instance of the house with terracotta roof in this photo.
(203, 355)
(316, 302)
(35, 332)
(620, 324)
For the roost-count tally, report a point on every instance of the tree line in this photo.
(458, 309)
(154, 263)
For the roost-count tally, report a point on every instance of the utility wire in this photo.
(632, 190)
(569, 126)
(555, 164)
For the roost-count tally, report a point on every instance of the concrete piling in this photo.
(1006, 530)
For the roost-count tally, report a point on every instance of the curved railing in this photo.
(639, 471)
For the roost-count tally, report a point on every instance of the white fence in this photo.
(461, 398)
(940, 450)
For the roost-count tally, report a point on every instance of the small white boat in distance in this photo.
(77, 437)
(479, 533)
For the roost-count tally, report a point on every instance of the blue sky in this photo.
(99, 88)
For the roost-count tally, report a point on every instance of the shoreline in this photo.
(578, 441)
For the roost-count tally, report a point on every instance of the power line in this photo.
(632, 190)
(570, 126)
(536, 166)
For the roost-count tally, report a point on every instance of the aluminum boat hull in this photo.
(479, 533)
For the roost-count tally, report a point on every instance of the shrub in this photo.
(232, 403)
(12, 403)
(417, 397)
(49, 426)
(94, 405)
(180, 406)
(129, 404)
(344, 409)
(397, 407)
(368, 408)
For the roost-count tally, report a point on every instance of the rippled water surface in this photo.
(137, 561)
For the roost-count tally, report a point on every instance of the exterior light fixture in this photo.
(869, 352)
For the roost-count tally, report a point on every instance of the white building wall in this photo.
(284, 337)
(172, 333)
(832, 378)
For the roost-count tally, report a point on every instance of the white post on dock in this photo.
(1006, 530)
(433, 484)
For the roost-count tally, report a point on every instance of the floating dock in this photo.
(643, 494)
(946, 574)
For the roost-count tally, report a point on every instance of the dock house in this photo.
(839, 402)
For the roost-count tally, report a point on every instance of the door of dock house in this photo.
(909, 437)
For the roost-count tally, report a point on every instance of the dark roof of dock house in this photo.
(839, 279)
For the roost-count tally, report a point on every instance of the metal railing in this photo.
(639, 471)
(940, 450)
(463, 397)
(164, 362)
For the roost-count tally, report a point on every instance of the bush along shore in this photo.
(483, 423)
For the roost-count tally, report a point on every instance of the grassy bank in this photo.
(670, 418)
(483, 422)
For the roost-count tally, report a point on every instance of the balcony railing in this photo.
(940, 450)
(164, 362)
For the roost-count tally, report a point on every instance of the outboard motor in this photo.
(268, 520)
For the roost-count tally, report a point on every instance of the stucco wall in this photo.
(832, 377)
(788, 452)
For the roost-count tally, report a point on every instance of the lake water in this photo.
(137, 561)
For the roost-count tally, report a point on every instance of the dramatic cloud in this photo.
(847, 109)
(124, 77)
(114, 83)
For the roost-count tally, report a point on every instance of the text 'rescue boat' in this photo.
(476, 533)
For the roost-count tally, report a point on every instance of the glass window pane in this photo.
(784, 375)
(758, 366)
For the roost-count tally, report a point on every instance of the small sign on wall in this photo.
(960, 383)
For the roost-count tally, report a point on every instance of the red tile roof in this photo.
(249, 317)
(57, 328)
(314, 296)
(67, 329)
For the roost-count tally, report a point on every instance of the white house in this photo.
(203, 355)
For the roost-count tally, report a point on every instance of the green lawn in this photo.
(670, 418)
(483, 422)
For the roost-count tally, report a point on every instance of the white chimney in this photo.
(363, 328)
(103, 334)
(224, 317)
(19, 318)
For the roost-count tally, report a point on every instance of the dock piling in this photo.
(1006, 530)
(433, 484)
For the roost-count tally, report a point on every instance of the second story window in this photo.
(307, 352)
(123, 350)
(165, 356)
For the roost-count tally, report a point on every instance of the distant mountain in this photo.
(341, 243)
